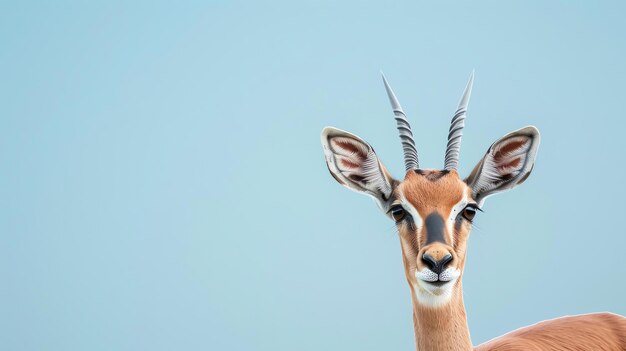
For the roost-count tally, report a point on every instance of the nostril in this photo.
(445, 260)
(430, 262)
(434, 265)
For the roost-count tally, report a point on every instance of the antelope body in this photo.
(433, 211)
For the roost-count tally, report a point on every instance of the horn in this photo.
(456, 128)
(404, 128)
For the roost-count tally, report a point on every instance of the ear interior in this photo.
(507, 163)
(354, 164)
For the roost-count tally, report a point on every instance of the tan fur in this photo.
(437, 251)
(445, 327)
(428, 195)
(597, 331)
(439, 315)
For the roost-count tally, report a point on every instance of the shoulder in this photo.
(595, 331)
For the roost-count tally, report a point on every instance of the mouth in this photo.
(437, 283)
(434, 282)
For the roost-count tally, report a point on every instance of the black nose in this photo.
(434, 265)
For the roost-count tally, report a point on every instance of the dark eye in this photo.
(469, 212)
(397, 213)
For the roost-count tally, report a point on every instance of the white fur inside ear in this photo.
(357, 162)
(508, 158)
(505, 160)
(507, 163)
(348, 147)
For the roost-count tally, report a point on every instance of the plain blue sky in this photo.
(162, 186)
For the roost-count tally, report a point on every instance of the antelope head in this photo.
(433, 209)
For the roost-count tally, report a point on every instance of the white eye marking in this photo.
(456, 209)
(411, 210)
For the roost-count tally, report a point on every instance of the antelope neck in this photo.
(442, 328)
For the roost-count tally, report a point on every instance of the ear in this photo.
(354, 164)
(508, 162)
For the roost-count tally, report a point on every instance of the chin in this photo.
(434, 295)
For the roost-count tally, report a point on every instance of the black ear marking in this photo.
(357, 178)
(506, 177)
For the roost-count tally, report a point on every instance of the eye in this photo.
(469, 212)
(397, 213)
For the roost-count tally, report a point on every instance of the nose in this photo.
(436, 260)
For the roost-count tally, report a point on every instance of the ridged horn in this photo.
(456, 128)
(404, 128)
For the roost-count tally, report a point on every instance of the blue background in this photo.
(162, 185)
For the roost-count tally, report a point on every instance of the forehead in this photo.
(429, 190)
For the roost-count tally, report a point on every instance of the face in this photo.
(433, 211)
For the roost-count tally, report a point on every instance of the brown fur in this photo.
(445, 327)
(437, 251)
(442, 324)
(428, 195)
(597, 331)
